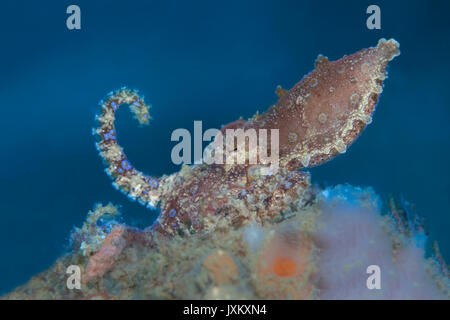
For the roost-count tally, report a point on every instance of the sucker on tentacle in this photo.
(319, 118)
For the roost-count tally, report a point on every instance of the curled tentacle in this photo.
(126, 178)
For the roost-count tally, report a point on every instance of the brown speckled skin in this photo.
(317, 119)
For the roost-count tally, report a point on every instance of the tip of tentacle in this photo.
(388, 49)
(138, 107)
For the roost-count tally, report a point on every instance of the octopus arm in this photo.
(126, 178)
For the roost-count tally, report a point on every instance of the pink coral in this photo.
(352, 235)
(104, 259)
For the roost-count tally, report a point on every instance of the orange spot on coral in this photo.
(283, 270)
(284, 267)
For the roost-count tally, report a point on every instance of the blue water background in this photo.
(200, 60)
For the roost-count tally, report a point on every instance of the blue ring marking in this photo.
(172, 213)
(126, 164)
(153, 183)
(109, 135)
(114, 105)
(194, 189)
